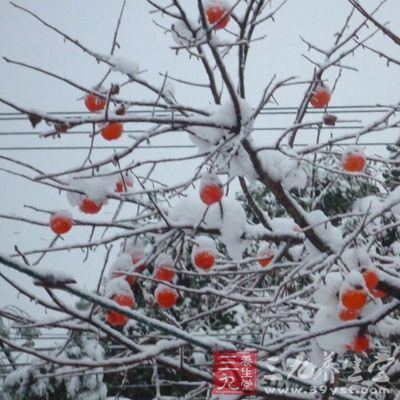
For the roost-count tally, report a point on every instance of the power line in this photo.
(17, 116)
(346, 109)
(270, 108)
(129, 131)
(149, 147)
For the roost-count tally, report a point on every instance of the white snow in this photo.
(54, 277)
(122, 264)
(240, 314)
(284, 226)
(353, 150)
(225, 114)
(370, 308)
(265, 251)
(135, 248)
(326, 293)
(164, 288)
(119, 398)
(325, 318)
(92, 348)
(353, 278)
(204, 243)
(325, 230)
(241, 165)
(232, 225)
(95, 187)
(363, 204)
(117, 286)
(231, 222)
(205, 137)
(296, 252)
(357, 258)
(284, 169)
(198, 357)
(295, 178)
(74, 198)
(16, 377)
(164, 260)
(320, 87)
(272, 160)
(233, 159)
(168, 90)
(209, 179)
(394, 197)
(123, 65)
(183, 36)
(395, 247)
(217, 3)
(63, 213)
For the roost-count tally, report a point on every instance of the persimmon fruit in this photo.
(348, 314)
(136, 260)
(204, 258)
(164, 273)
(211, 194)
(320, 97)
(166, 296)
(94, 103)
(137, 253)
(61, 222)
(211, 190)
(89, 206)
(121, 184)
(371, 279)
(112, 131)
(378, 294)
(164, 267)
(354, 299)
(360, 344)
(129, 278)
(267, 256)
(353, 161)
(215, 15)
(116, 319)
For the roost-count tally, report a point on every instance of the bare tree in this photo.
(302, 261)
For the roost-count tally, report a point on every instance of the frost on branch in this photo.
(54, 279)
